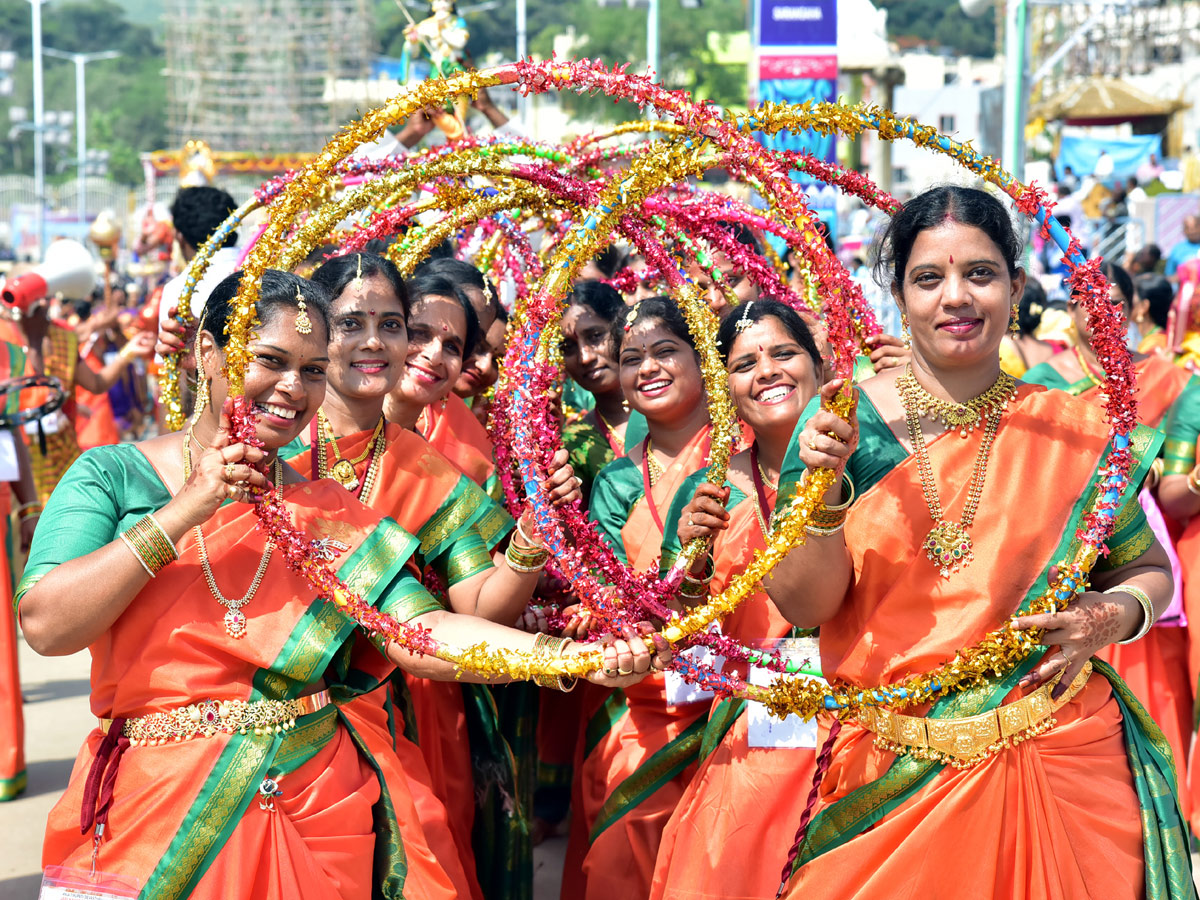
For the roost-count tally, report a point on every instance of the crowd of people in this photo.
(251, 742)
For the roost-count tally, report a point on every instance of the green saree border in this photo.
(1165, 839)
(226, 794)
(862, 808)
(391, 859)
(369, 571)
(11, 788)
(666, 763)
(603, 721)
(721, 718)
(457, 514)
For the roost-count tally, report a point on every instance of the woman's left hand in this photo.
(1088, 625)
(627, 659)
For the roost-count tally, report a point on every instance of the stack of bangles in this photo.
(150, 544)
(553, 647)
(28, 510)
(1193, 483)
(827, 520)
(526, 558)
(693, 587)
(1143, 599)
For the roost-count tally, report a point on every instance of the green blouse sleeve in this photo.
(588, 452)
(103, 493)
(878, 452)
(616, 490)
(683, 496)
(1182, 428)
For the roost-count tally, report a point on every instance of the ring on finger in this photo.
(228, 470)
(622, 671)
(812, 442)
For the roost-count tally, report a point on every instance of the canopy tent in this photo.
(1104, 101)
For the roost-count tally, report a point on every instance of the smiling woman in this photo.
(950, 462)
(226, 770)
(618, 833)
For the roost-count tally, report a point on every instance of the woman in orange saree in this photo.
(1156, 667)
(1084, 804)
(400, 475)
(727, 821)
(245, 780)
(12, 720)
(640, 746)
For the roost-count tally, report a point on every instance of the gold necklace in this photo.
(235, 619)
(343, 469)
(1085, 368)
(655, 467)
(948, 544)
(965, 417)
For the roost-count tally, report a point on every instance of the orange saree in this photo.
(453, 431)
(732, 814)
(639, 751)
(188, 817)
(430, 498)
(13, 776)
(1156, 667)
(1077, 811)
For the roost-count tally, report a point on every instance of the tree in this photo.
(942, 22)
(126, 97)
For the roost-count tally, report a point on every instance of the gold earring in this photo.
(203, 384)
(904, 329)
(1013, 325)
(303, 322)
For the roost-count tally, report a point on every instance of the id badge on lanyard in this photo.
(766, 731)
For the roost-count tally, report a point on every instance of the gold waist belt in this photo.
(211, 717)
(965, 742)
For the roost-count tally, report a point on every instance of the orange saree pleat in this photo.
(619, 863)
(12, 718)
(744, 803)
(1056, 816)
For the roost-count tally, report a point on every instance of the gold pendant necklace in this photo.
(963, 417)
(653, 465)
(235, 619)
(343, 469)
(948, 544)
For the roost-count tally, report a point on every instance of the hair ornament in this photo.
(358, 279)
(303, 322)
(745, 321)
(631, 316)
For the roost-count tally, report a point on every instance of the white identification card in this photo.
(61, 883)
(679, 692)
(766, 731)
(9, 470)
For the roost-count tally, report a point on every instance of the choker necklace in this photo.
(963, 417)
(948, 544)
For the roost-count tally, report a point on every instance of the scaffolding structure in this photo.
(261, 75)
(1120, 39)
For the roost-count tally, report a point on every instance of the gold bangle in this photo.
(151, 544)
(26, 510)
(555, 646)
(1193, 484)
(824, 531)
(525, 562)
(1147, 609)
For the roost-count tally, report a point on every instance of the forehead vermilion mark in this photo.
(952, 259)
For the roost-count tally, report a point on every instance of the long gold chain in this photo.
(235, 619)
(965, 417)
(948, 544)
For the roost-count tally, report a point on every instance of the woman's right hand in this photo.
(223, 472)
(172, 334)
(705, 516)
(828, 440)
(627, 659)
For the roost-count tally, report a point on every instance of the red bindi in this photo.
(951, 260)
(370, 312)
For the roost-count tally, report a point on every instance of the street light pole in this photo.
(81, 60)
(652, 40)
(39, 124)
